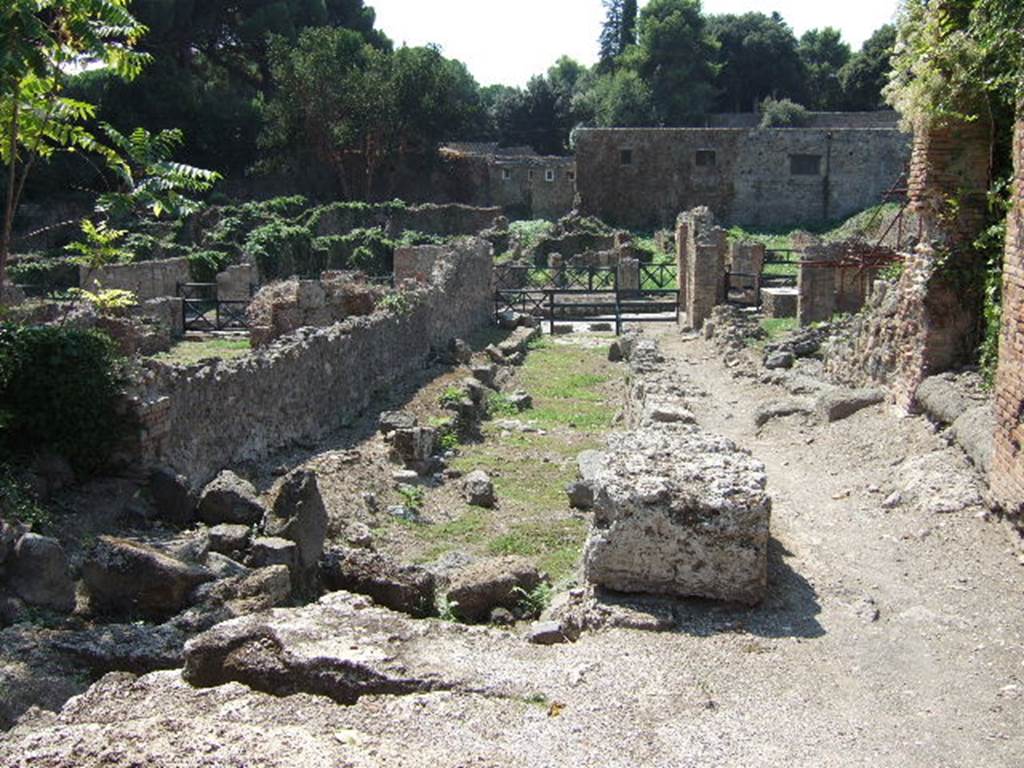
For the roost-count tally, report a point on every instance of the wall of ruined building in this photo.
(926, 322)
(302, 387)
(146, 279)
(750, 183)
(283, 307)
(701, 249)
(445, 219)
(883, 118)
(1007, 476)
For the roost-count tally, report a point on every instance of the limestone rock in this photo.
(974, 431)
(478, 489)
(487, 584)
(223, 567)
(392, 420)
(405, 588)
(414, 447)
(775, 409)
(271, 550)
(485, 373)
(581, 494)
(128, 577)
(941, 399)
(547, 633)
(521, 401)
(781, 359)
(679, 512)
(172, 496)
(229, 499)
(299, 515)
(135, 648)
(227, 538)
(38, 573)
(838, 404)
(344, 648)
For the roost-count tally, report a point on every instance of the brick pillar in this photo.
(816, 287)
(1007, 477)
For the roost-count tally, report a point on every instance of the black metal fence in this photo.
(568, 294)
(203, 311)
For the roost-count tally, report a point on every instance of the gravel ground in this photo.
(892, 636)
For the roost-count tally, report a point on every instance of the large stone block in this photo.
(679, 512)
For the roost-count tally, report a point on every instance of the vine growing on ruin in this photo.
(963, 60)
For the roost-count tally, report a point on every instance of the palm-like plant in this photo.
(149, 179)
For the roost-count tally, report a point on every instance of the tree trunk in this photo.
(9, 205)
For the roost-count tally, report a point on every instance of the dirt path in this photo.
(919, 633)
(890, 638)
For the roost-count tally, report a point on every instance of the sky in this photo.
(508, 41)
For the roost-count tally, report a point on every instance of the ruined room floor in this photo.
(890, 637)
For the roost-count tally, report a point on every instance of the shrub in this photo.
(203, 266)
(782, 113)
(282, 250)
(59, 389)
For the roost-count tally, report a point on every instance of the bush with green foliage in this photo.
(59, 390)
(282, 250)
(782, 113)
(203, 266)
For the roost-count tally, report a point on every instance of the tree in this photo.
(823, 54)
(619, 99)
(338, 99)
(866, 74)
(757, 57)
(42, 41)
(674, 58)
(618, 31)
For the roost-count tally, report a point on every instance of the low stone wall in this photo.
(202, 418)
(448, 219)
(146, 279)
(677, 511)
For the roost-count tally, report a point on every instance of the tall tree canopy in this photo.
(337, 99)
(618, 31)
(675, 55)
(866, 74)
(823, 54)
(757, 57)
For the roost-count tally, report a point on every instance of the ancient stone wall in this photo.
(146, 279)
(1007, 477)
(238, 282)
(303, 386)
(449, 219)
(700, 259)
(926, 323)
(776, 177)
(284, 307)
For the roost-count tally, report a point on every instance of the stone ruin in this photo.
(677, 511)
(284, 307)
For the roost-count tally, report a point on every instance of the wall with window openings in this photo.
(541, 187)
(765, 178)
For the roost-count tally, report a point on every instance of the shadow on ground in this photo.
(790, 608)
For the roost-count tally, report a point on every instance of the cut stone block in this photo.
(679, 512)
(779, 302)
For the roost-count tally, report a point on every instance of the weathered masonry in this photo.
(773, 177)
(1007, 477)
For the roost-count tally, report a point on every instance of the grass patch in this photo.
(556, 545)
(566, 383)
(777, 326)
(192, 352)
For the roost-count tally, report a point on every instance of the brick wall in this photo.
(1007, 478)
(700, 257)
(925, 323)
